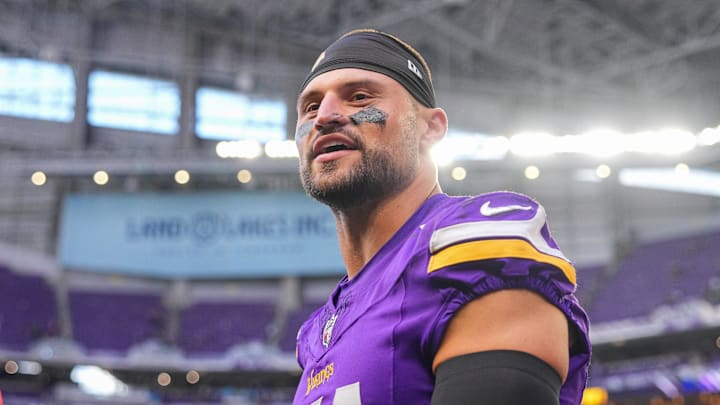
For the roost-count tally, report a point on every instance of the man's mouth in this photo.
(335, 148)
(332, 143)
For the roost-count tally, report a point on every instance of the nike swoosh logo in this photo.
(489, 211)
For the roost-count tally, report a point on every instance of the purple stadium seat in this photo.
(214, 327)
(28, 310)
(587, 279)
(115, 321)
(657, 274)
(294, 320)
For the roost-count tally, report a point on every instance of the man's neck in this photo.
(363, 230)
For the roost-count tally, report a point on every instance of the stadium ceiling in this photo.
(557, 65)
(500, 67)
(576, 61)
(515, 48)
(587, 45)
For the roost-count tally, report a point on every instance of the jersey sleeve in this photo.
(501, 241)
(505, 230)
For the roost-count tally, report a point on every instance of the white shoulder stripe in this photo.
(528, 229)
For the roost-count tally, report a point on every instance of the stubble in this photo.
(380, 173)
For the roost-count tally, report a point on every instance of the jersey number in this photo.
(345, 395)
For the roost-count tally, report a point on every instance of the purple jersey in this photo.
(374, 341)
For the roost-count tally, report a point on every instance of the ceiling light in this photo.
(532, 172)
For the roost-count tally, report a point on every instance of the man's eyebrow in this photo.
(366, 83)
(370, 83)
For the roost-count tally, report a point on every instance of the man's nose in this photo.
(330, 112)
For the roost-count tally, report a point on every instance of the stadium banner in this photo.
(198, 235)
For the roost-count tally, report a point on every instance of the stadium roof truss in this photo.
(500, 66)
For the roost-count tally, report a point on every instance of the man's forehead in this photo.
(348, 77)
(379, 52)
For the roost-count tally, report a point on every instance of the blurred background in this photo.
(155, 243)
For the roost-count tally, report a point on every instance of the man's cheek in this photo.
(302, 131)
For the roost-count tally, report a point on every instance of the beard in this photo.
(379, 174)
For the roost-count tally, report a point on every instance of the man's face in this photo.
(356, 137)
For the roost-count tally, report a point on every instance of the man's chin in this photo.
(336, 193)
(339, 201)
(328, 179)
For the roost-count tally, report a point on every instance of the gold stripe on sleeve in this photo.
(496, 249)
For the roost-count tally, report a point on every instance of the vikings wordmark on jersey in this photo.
(374, 340)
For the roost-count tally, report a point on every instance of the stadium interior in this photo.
(164, 118)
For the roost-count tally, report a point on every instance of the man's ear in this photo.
(437, 125)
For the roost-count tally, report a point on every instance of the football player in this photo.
(446, 300)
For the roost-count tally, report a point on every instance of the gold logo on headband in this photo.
(317, 61)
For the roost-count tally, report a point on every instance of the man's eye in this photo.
(312, 107)
(359, 96)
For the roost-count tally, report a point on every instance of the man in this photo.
(447, 300)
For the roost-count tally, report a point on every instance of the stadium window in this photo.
(133, 102)
(230, 115)
(37, 89)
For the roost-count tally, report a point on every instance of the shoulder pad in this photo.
(496, 225)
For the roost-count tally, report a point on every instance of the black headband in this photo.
(378, 52)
